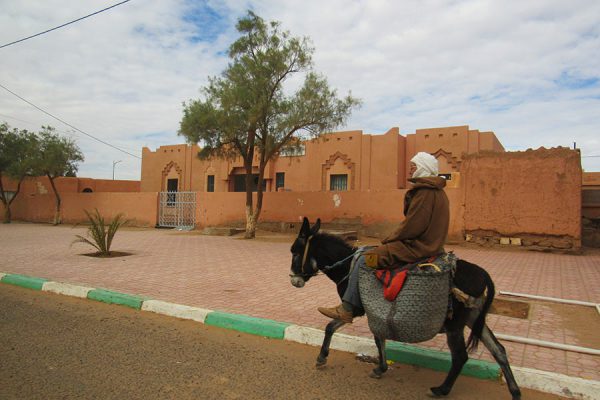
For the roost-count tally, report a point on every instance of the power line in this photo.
(68, 23)
(66, 123)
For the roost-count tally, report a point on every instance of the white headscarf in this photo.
(427, 165)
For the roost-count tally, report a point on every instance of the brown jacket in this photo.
(424, 230)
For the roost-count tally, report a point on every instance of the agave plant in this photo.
(100, 235)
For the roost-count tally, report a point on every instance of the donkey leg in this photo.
(332, 326)
(458, 350)
(382, 366)
(499, 353)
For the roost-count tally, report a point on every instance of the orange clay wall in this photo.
(372, 208)
(140, 208)
(41, 185)
(533, 195)
(36, 200)
(591, 180)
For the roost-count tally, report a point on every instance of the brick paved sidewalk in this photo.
(251, 277)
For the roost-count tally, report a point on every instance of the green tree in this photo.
(57, 156)
(17, 150)
(247, 112)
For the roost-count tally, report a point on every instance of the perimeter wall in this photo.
(531, 198)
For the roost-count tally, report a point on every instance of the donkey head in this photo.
(303, 265)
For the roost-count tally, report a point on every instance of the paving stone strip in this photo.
(563, 385)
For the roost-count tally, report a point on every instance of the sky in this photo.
(527, 70)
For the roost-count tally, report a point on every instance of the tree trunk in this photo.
(259, 190)
(57, 219)
(7, 203)
(7, 214)
(250, 224)
(4, 202)
(250, 219)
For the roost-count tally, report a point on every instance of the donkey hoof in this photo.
(321, 362)
(375, 374)
(439, 391)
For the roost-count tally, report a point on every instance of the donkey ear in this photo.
(305, 228)
(316, 227)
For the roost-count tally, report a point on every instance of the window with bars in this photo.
(239, 183)
(210, 183)
(279, 180)
(338, 182)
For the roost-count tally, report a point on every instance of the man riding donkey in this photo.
(422, 234)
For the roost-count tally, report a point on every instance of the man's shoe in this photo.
(337, 313)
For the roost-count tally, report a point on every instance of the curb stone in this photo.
(176, 310)
(548, 382)
(340, 341)
(247, 324)
(439, 360)
(67, 289)
(110, 297)
(24, 281)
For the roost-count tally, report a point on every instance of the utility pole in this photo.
(115, 163)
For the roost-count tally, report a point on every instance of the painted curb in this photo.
(439, 360)
(24, 281)
(247, 324)
(340, 341)
(397, 352)
(107, 296)
(548, 382)
(563, 385)
(67, 289)
(176, 310)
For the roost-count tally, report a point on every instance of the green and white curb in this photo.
(176, 310)
(340, 341)
(67, 289)
(247, 324)
(563, 385)
(24, 281)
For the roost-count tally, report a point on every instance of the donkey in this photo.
(314, 253)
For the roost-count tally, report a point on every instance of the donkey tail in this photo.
(479, 323)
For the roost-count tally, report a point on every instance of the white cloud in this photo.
(529, 71)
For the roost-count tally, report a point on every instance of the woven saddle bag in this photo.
(418, 312)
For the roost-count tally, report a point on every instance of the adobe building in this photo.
(339, 161)
(531, 198)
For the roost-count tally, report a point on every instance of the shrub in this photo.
(100, 235)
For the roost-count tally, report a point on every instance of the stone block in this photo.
(515, 241)
(504, 240)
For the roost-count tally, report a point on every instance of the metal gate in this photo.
(177, 210)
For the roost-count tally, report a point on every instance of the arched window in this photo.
(338, 173)
(87, 190)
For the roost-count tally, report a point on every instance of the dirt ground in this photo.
(583, 321)
(58, 347)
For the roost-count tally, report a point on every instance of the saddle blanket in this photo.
(392, 280)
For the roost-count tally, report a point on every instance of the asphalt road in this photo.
(58, 347)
